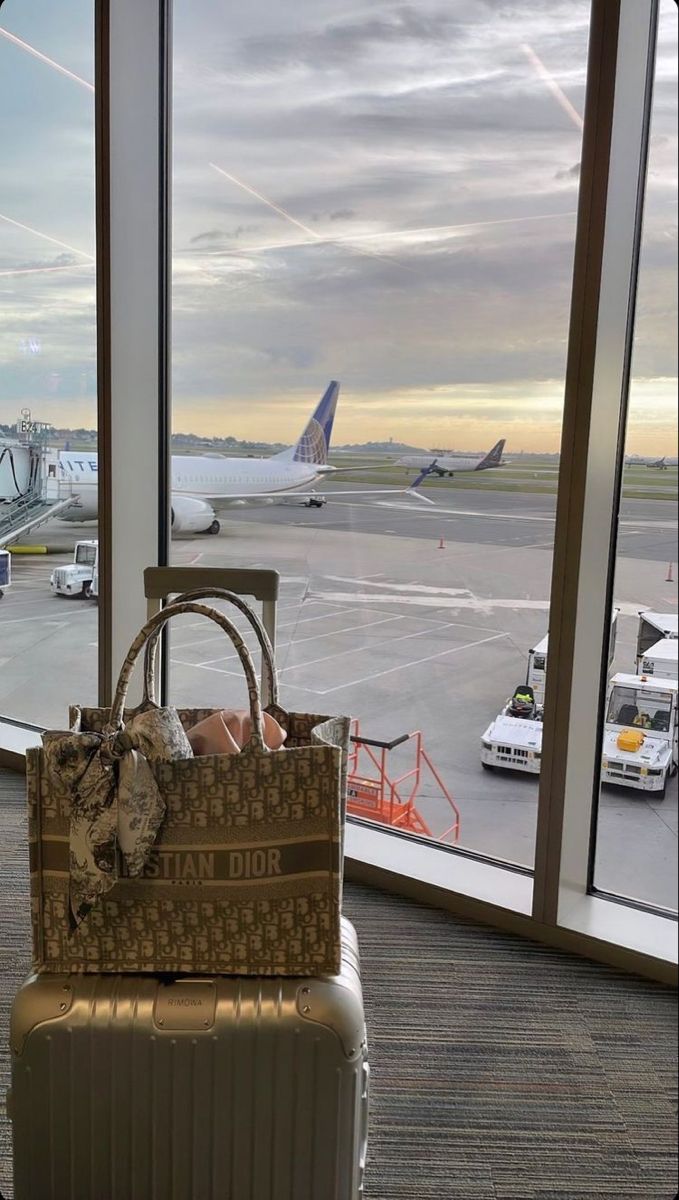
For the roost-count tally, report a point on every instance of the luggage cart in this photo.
(372, 793)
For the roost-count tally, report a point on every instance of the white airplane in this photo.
(449, 464)
(205, 485)
(662, 464)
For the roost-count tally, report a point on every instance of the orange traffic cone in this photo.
(669, 578)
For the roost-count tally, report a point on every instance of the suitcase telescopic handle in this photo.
(215, 593)
(156, 623)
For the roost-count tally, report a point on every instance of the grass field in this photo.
(529, 474)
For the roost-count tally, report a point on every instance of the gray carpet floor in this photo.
(500, 1070)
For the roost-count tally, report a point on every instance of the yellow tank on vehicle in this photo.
(630, 740)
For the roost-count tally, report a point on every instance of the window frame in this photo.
(556, 904)
(133, 115)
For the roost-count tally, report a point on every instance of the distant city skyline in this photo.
(375, 192)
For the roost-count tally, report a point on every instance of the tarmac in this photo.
(405, 616)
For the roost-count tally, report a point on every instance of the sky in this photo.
(375, 192)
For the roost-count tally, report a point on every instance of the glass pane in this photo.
(636, 848)
(48, 439)
(383, 196)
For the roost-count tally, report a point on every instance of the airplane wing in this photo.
(378, 495)
(327, 469)
(235, 500)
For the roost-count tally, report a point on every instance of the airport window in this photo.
(48, 439)
(384, 197)
(636, 835)
(374, 225)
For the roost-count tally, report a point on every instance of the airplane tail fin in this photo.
(493, 457)
(314, 443)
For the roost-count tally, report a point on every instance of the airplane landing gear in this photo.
(214, 528)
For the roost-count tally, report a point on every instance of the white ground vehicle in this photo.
(514, 739)
(652, 627)
(78, 578)
(660, 660)
(537, 660)
(513, 742)
(640, 735)
(5, 571)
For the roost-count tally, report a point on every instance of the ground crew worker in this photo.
(523, 702)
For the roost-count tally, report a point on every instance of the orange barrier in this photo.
(373, 794)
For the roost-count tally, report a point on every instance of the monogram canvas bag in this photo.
(145, 857)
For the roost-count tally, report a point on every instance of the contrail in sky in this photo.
(269, 203)
(46, 237)
(388, 233)
(43, 58)
(46, 270)
(550, 82)
(312, 233)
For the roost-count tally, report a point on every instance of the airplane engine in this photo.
(193, 516)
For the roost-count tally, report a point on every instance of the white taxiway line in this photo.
(46, 619)
(476, 603)
(281, 608)
(354, 682)
(314, 638)
(335, 612)
(442, 513)
(405, 637)
(406, 666)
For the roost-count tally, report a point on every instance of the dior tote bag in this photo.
(145, 857)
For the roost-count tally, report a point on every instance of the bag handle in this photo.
(150, 689)
(156, 623)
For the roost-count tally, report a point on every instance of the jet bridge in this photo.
(31, 490)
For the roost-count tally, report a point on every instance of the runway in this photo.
(381, 622)
(647, 530)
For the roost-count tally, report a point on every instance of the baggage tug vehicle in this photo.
(640, 735)
(81, 577)
(514, 739)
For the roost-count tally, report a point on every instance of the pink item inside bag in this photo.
(226, 732)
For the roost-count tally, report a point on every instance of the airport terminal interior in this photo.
(357, 311)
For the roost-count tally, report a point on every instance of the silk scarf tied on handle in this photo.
(115, 801)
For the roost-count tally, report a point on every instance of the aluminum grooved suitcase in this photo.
(144, 1088)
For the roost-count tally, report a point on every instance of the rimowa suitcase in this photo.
(131, 1087)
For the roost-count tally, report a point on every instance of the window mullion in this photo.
(620, 72)
(133, 270)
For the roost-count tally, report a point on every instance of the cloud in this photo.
(341, 43)
(569, 173)
(212, 237)
(435, 176)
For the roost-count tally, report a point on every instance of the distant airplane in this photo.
(449, 464)
(205, 485)
(662, 464)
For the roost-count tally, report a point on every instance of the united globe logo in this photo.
(311, 447)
